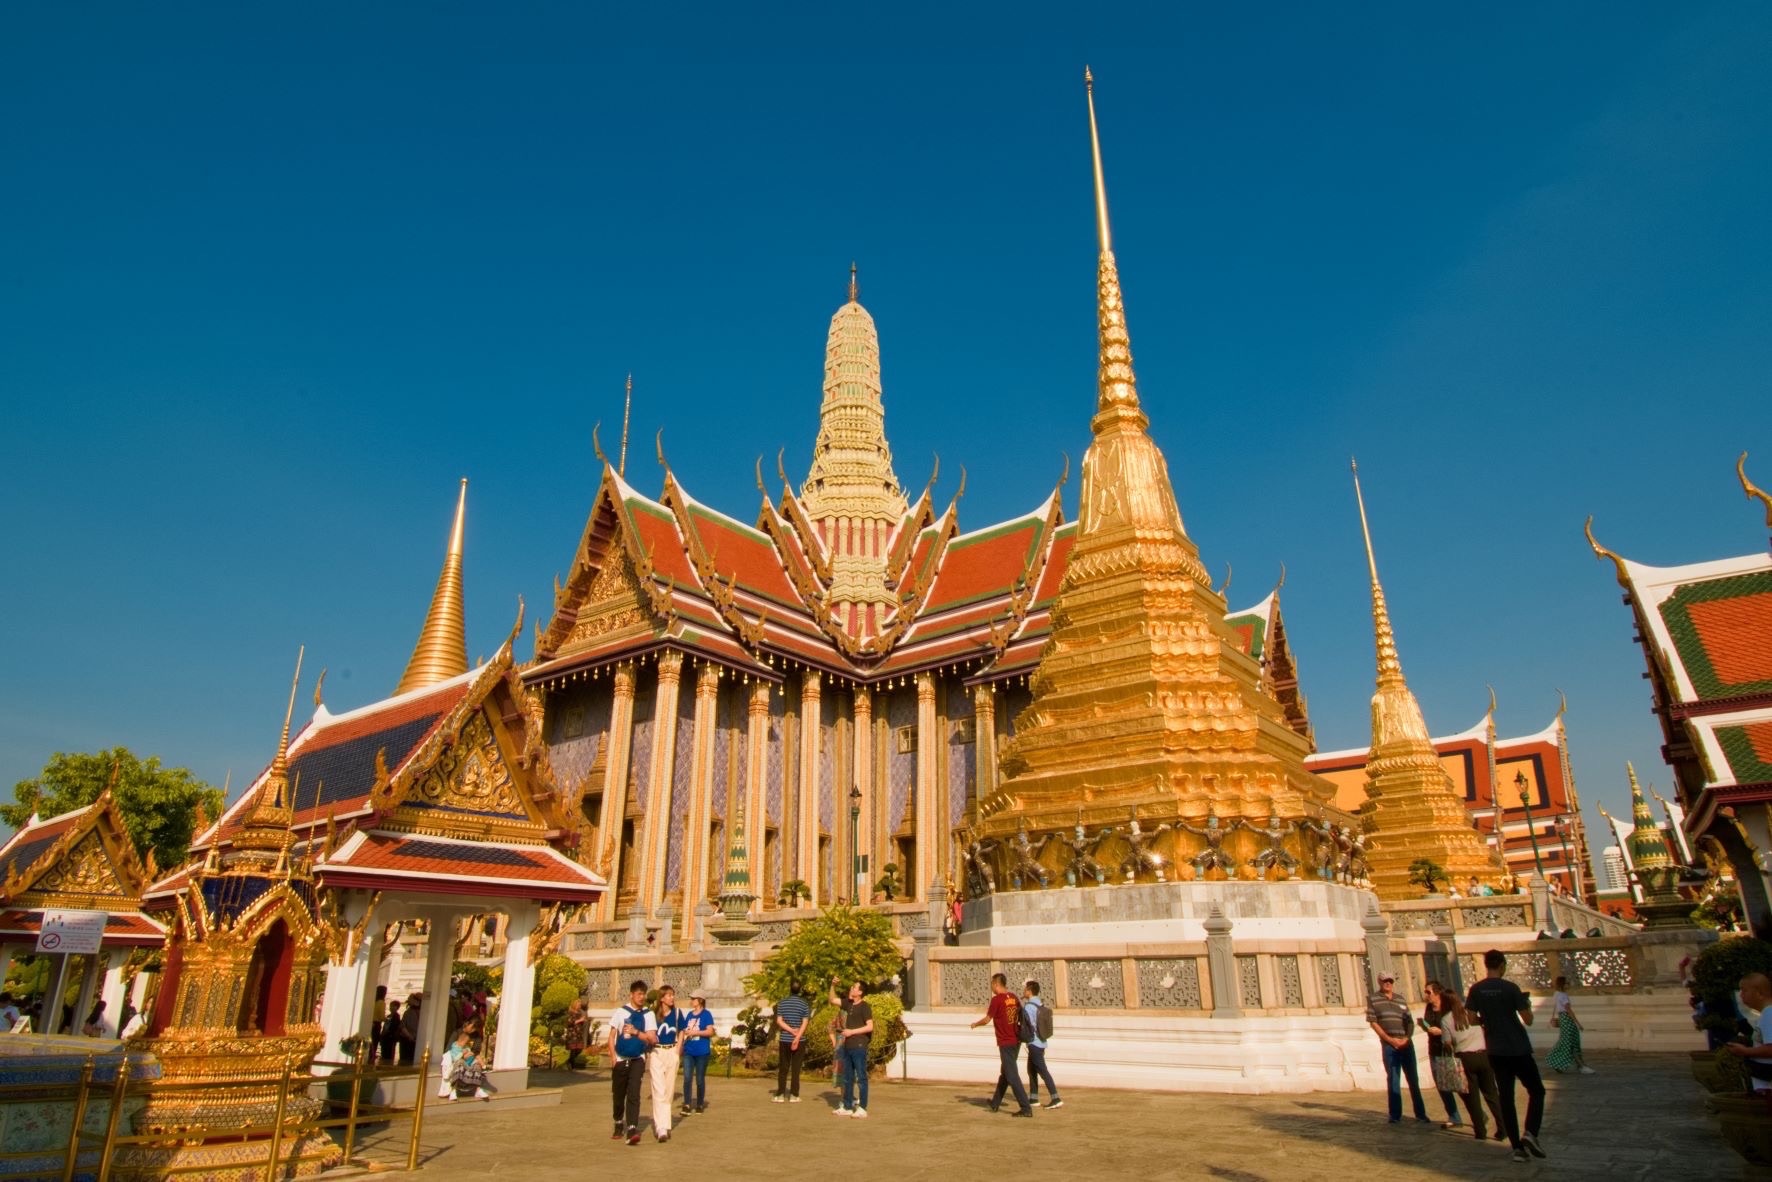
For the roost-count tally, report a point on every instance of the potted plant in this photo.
(338, 1087)
(793, 891)
(888, 884)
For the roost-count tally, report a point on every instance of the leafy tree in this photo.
(475, 977)
(159, 804)
(849, 943)
(1425, 873)
(889, 1031)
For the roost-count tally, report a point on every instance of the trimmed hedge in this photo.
(889, 1031)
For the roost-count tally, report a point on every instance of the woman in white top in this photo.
(1567, 1053)
(1460, 1032)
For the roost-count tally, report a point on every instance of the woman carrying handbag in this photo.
(1463, 1043)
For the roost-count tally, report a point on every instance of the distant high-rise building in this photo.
(1612, 864)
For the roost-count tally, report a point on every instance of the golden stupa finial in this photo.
(1601, 552)
(1390, 668)
(280, 763)
(272, 810)
(854, 284)
(1754, 492)
(1116, 384)
(627, 411)
(442, 649)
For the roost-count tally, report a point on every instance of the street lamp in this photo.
(855, 840)
(1525, 788)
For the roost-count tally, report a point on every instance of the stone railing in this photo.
(1603, 964)
(1296, 977)
(1499, 913)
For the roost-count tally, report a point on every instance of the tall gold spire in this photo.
(627, 410)
(1390, 668)
(274, 809)
(854, 286)
(1117, 387)
(442, 649)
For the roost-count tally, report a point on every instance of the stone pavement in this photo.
(1641, 1117)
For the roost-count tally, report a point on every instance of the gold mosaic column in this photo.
(657, 822)
(984, 742)
(695, 833)
(615, 781)
(810, 737)
(756, 767)
(864, 779)
(928, 747)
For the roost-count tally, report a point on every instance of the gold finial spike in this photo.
(1601, 552)
(1104, 236)
(1116, 384)
(280, 764)
(442, 649)
(1754, 492)
(627, 410)
(854, 285)
(1390, 668)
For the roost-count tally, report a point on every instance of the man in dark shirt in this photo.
(1505, 1012)
(792, 1016)
(852, 1056)
(1391, 1020)
(1004, 1015)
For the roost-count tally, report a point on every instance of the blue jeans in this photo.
(695, 1079)
(1038, 1071)
(1009, 1076)
(1401, 1061)
(853, 1063)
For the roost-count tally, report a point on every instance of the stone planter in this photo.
(1719, 1072)
(1704, 1071)
(1746, 1125)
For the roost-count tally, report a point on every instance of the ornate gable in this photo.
(88, 863)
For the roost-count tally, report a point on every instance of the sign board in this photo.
(71, 933)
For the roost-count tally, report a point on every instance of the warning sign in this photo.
(72, 933)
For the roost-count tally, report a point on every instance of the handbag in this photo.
(1449, 1074)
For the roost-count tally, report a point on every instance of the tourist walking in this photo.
(1037, 1014)
(1391, 1020)
(792, 1016)
(1505, 1012)
(852, 1056)
(698, 1048)
(633, 1029)
(575, 1034)
(1461, 1032)
(1442, 1064)
(1566, 1055)
(661, 1064)
(1004, 1016)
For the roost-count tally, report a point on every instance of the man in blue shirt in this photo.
(792, 1016)
(1032, 1006)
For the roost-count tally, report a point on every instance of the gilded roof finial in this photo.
(319, 688)
(854, 285)
(1754, 492)
(1601, 551)
(597, 444)
(1390, 668)
(627, 411)
(280, 764)
(1491, 714)
(272, 811)
(1117, 386)
(442, 649)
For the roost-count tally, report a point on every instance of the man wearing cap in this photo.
(698, 1045)
(1391, 1020)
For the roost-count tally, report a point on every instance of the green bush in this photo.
(477, 976)
(557, 968)
(1719, 970)
(849, 943)
(889, 1031)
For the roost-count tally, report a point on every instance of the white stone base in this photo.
(1249, 1055)
(1171, 912)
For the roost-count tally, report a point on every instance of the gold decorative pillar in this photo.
(928, 825)
(984, 746)
(695, 834)
(756, 766)
(654, 841)
(863, 774)
(615, 782)
(811, 734)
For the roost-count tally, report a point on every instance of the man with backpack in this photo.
(633, 1031)
(1005, 1017)
(1036, 1031)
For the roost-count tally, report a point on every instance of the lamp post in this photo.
(1525, 788)
(855, 841)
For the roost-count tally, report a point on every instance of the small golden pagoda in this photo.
(1143, 699)
(1412, 810)
(236, 1002)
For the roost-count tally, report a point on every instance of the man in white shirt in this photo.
(633, 1031)
(1756, 993)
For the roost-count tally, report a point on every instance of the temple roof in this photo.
(1736, 749)
(392, 861)
(83, 859)
(123, 929)
(1710, 623)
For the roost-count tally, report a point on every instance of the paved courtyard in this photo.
(1641, 1117)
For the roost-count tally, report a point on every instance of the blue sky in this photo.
(269, 287)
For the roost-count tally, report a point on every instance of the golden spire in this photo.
(1117, 387)
(854, 287)
(442, 649)
(1754, 492)
(627, 410)
(1390, 668)
(274, 809)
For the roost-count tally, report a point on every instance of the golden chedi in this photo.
(1142, 699)
(1412, 809)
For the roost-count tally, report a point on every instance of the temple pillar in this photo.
(656, 825)
(984, 745)
(927, 826)
(615, 783)
(863, 774)
(91, 969)
(514, 1000)
(434, 1014)
(810, 736)
(112, 990)
(756, 767)
(341, 1007)
(374, 940)
(695, 834)
(138, 988)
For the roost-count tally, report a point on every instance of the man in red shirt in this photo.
(1004, 1014)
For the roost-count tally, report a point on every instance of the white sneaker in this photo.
(793, 1099)
(1587, 1070)
(778, 1099)
(840, 1111)
(860, 1114)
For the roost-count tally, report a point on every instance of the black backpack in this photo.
(1024, 1023)
(1043, 1021)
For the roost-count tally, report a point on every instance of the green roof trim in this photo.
(1744, 761)
(1676, 614)
(1257, 631)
